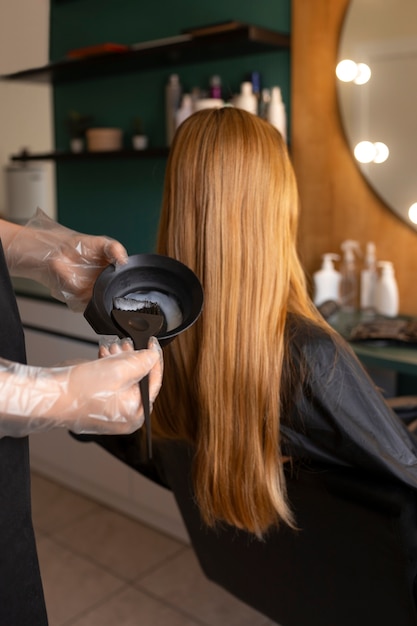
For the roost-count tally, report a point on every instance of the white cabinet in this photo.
(55, 335)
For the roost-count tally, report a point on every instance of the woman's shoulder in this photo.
(307, 334)
(321, 352)
(317, 346)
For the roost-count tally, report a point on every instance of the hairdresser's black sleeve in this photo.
(132, 450)
(340, 416)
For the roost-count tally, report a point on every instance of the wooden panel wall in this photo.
(336, 201)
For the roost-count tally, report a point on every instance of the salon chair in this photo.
(351, 562)
(406, 409)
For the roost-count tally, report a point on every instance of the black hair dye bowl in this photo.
(147, 274)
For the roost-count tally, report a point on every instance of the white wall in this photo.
(26, 115)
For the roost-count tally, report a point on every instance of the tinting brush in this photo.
(139, 320)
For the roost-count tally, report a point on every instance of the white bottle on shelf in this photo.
(246, 100)
(185, 110)
(386, 299)
(264, 103)
(173, 92)
(276, 114)
(369, 277)
(327, 280)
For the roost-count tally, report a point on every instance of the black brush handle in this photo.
(140, 327)
(144, 392)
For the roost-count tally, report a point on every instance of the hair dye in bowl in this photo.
(168, 305)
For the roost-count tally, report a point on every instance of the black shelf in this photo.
(90, 156)
(196, 47)
(227, 40)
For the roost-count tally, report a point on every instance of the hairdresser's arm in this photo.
(132, 449)
(65, 261)
(8, 231)
(98, 397)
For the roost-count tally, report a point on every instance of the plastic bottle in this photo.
(255, 79)
(264, 103)
(386, 299)
(216, 87)
(246, 100)
(185, 110)
(368, 279)
(173, 91)
(327, 280)
(276, 114)
(349, 280)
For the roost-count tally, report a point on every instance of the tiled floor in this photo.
(100, 568)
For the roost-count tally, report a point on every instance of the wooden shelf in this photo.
(192, 47)
(150, 153)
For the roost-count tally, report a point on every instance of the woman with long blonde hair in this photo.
(230, 212)
(260, 380)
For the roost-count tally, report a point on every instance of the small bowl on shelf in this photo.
(102, 139)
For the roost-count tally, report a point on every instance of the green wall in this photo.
(121, 198)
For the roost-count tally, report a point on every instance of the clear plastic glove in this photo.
(65, 261)
(94, 397)
(112, 344)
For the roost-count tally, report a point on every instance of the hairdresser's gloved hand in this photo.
(113, 345)
(65, 261)
(94, 397)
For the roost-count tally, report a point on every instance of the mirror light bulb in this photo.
(348, 71)
(363, 74)
(365, 152)
(368, 152)
(412, 213)
(382, 152)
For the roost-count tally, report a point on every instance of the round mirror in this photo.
(377, 93)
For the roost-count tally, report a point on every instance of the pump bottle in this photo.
(185, 110)
(264, 103)
(327, 280)
(276, 114)
(349, 280)
(216, 87)
(246, 100)
(369, 277)
(387, 300)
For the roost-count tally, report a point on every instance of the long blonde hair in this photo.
(230, 212)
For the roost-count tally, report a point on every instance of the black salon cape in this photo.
(336, 415)
(21, 596)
